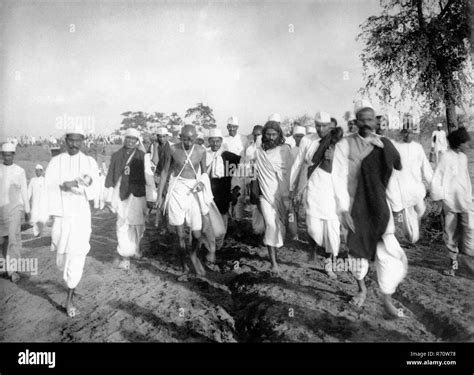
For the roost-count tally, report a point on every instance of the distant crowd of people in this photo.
(31, 140)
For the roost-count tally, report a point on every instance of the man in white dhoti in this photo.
(71, 181)
(273, 165)
(237, 144)
(14, 204)
(126, 195)
(361, 170)
(38, 203)
(184, 202)
(407, 188)
(439, 143)
(320, 203)
(451, 184)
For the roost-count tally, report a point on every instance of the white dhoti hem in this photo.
(183, 205)
(72, 266)
(131, 214)
(326, 233)
(411, 217)
(390, 261)
(70, 237)
(274, 226)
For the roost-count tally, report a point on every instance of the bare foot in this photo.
(391, 309)
(275, 270)
(124, 264)
(197, 265)
(72, 311)
(359, 299)
(331, 274)
(211, 257)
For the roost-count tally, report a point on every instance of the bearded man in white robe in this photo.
(71, 181)
(273, 164)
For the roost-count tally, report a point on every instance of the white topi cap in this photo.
(199, 135)
(361, 104)
(8, 147)
(310, 130)
(215, 133)
(233, 120)
(76, 129)
(274, 117)
(162, 131)
(299, 130)
(439, 125)
(39, 166)
(132, 132)
(322, 117)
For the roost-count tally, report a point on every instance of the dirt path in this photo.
(240, 302)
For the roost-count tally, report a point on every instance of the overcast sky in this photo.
(250, 59)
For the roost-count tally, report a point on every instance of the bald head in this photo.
(188, 136)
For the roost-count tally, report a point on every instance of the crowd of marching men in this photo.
(352, 187)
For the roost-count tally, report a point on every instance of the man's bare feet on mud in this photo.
(359, 299)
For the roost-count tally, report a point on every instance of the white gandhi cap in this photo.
(274, 117)
(299, 130)
(215, 133)
(8, 147)
(39, 166)
(310, 130)
(76, 129)
(233, 120)
(361, 104)
(323, 117)
(162, 131)
(131, 132)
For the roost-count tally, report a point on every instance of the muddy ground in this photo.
(240, 301)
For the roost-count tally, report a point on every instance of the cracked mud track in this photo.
(238, 302)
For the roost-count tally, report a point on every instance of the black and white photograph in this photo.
(223, 171)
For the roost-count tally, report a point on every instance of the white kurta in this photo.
(13, 203)
(390, 259)
(320, 202)
(452, 184)
(37, 197)
(237, 145)
(273, 170)
(71, 211)
(407, 188)
(440, 144)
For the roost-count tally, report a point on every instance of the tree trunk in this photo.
(450, 103)
(451, 119)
